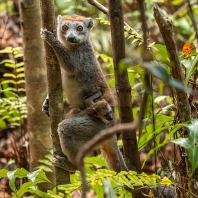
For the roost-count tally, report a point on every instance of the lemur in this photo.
(82, 77)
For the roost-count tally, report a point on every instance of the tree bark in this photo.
(123, 88)
(35, 84)
(54, 87)
(166, 29)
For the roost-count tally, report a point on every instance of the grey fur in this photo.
(82, 77)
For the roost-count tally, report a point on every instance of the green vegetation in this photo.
(161, 125)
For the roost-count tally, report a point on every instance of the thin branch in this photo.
(103, 9)
(192, 18)
(96, 141)
(1, 38)
(99, 6)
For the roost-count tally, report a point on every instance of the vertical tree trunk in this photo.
(54, 87)
(35, 76)
(123, 88)
(183, 106)
(122, 84)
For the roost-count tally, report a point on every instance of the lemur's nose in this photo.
(71, 38)
(109, 116)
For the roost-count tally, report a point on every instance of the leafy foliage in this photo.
(14, 108)
(46, 163)
(109, 182)
(190, 144)
(34, 178)
(160, 123)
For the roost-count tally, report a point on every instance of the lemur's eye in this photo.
(80, 28)
(65, 28)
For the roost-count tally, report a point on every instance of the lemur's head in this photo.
(102, 110)
(73, 29)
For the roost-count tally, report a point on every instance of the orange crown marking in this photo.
(70, 18)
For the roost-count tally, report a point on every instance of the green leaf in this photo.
(159, 99)
(9, 75)
(7, 61)
(20, 82)
(46, 168)
(166, 181)
(3, 173)
(190, 144)
(161, 72)
(11, 65)
(108, 190)
(23, 189)
(21, 69)
(99, 190)
(96, 160)
(40, 193)
(7, 50)
(38, 176)
(191, 70)
(2, 124)
(8, 81)
(11, 177)
(45, 161)
(177, 2)
(19, 64)
(21, 173)
(18, 55)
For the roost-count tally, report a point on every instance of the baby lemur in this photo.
(99, 109)
(82, 77)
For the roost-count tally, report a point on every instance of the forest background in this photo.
(167, 135)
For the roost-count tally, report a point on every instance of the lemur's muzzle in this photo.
(72, 39)
(109, 116)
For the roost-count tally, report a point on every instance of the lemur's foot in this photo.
(45, 106)
(63, 162)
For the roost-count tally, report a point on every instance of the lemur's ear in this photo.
(89, 22)
(59, 18)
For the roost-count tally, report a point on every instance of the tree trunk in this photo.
(35, 76)
(123, 88)
(183, 106)
(54, 87)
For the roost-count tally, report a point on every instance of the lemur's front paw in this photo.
(46, 35)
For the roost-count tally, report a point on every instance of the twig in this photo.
(103, 9)
(192, 18)
(99, 6)
(96, 141)
(1, 38)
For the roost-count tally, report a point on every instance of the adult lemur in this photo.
(82, 77)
